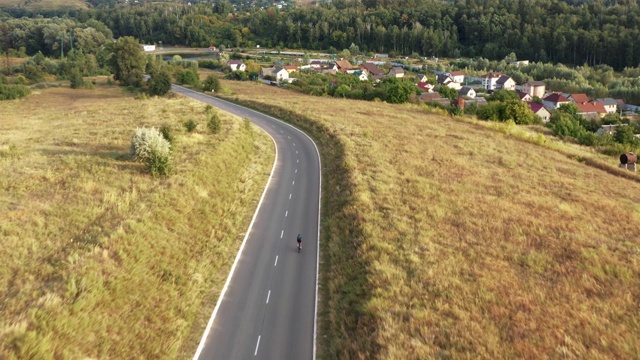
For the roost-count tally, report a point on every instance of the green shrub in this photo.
(167, 133)
(149, 146)
(190, 125)
(211, 83)
(160, 83)
(188, 77)
(10, 92)
(75, 77)
(214, 123)
(158, 165)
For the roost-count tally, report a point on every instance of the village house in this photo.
(422, 78)
(467, 92)
(534, 88)
(277, 73)
(372, 69)
(578, 98)
(607, 129)
(343, 65)
(610, 105)
(236, 65)
(213, 49)
(447, 80)
(396, 71)
(540, 111)
(457, 76)
(149, 47)
(524, 96)
(291, 68)
(496, 81)
(553, 101)
(506, 83)
(362, 75)
(315, 64)
(425, 86)
(591, 110)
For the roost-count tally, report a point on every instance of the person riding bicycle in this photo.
(299, 240)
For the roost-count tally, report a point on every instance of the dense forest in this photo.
(592, 33)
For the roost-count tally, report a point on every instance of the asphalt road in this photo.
(268, 307)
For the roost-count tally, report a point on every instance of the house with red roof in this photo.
(425, 86)
(291, 68)
(554, 101)
(524, 96)
(540, 111)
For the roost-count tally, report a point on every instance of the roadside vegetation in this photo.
(99, 258)
(452, 238)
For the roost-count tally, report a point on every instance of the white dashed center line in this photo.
(286, 213)
(257, 345)
(276, 263)
(268, 296)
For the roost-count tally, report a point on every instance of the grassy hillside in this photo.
(445, 238)
(99, 259)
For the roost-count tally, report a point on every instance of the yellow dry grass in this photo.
(469, 242)
(99, 259)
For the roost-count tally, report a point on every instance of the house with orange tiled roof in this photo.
(591, 110)
(291, 68)
(579, 98)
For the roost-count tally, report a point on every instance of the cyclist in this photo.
(299, 240)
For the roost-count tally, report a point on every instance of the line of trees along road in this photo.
(591, 32)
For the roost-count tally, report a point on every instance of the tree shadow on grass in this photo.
(106, 155)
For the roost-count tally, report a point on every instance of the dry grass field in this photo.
(99, 259)
(450, 239)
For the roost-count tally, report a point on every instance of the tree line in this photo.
(592, 33)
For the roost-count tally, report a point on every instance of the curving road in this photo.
(267, 308)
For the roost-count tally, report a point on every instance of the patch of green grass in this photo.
(452, 239)
(100, 259)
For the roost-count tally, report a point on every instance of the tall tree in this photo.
(128, 61)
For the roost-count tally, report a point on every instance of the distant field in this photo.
(445, 239)
(44, 4)
(99, 259)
